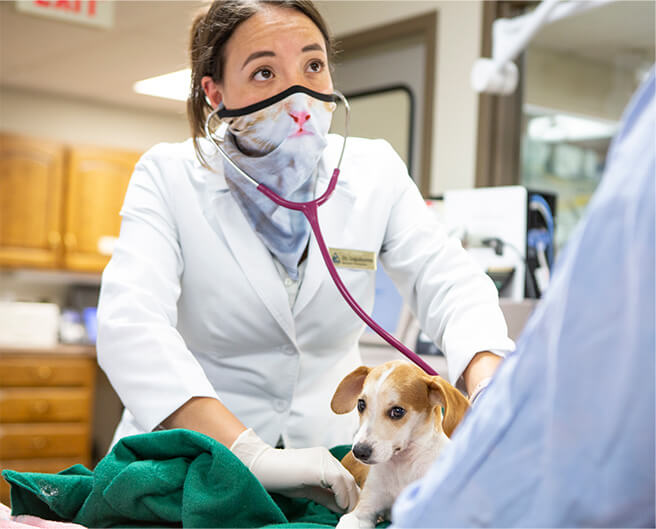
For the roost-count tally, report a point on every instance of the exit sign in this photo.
(99, 13)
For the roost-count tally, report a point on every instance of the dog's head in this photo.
(399, 404)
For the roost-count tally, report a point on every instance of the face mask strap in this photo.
(296, 89)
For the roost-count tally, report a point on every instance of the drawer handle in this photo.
(41, 406)
(39, 443)
(44, 372)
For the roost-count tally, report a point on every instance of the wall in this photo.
(388, 116)
(456, 104)
(87, 122)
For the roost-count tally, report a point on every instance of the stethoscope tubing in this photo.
(311, 212)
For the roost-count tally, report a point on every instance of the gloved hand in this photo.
(298, 473)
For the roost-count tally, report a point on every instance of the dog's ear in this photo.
(346, 394)
(455, 404)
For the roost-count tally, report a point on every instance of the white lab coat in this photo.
(192, 304)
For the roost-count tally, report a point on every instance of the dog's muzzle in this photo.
(362, 452)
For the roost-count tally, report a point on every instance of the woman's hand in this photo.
(299, 473)
(479, 372)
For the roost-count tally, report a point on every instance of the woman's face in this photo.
(274, 49)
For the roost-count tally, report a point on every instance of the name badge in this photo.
(357, 259)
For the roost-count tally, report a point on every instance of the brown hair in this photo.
(210, 32)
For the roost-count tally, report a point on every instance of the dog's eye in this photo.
(361, 405)
(396, 412)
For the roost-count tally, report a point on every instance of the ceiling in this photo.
(150, 38)
(620, 33)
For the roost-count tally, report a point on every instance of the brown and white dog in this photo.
(402, 431)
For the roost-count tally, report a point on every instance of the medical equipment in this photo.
(482, 218)
(540, 241)
(499, 75)
(310, 211)
(509, 231)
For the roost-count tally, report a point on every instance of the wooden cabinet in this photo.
(45, 412)
(97, 181)
(31, 200)
(59, 204)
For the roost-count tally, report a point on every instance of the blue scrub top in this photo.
(564, 435)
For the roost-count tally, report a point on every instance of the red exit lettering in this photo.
(74, 6)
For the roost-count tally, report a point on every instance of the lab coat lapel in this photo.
(333, 219)
(226, 218)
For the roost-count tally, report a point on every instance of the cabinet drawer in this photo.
(42, 370)
(46, 466)
(19, 441)
(44, 405)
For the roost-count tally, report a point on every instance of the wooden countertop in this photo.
(61, 349)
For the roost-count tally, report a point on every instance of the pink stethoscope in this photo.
(310, 210)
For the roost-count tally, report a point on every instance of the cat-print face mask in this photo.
(279, 143)
(296, 114)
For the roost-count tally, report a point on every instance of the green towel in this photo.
(167, 478)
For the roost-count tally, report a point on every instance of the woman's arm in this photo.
(482, 366)
(208, 416)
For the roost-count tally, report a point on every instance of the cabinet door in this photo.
(97, 181)
(31, 189)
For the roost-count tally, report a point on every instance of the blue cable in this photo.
(543, 207)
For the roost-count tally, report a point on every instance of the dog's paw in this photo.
(351, 521)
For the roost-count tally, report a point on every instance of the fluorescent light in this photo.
(174, 85)
(561, 128)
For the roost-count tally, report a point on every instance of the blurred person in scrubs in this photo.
(565, 434)
(216, 312)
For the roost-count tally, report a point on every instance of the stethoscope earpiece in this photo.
(221, 131)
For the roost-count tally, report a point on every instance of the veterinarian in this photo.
(565, 436)
(216, 313)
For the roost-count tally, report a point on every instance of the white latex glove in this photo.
(351, 521)
(298, 472)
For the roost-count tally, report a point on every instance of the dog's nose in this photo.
(362, 452)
